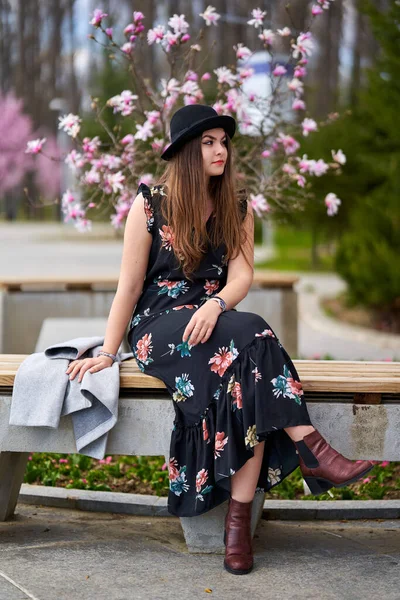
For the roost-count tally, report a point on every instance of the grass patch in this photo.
(293, 252)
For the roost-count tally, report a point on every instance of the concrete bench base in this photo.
(358, 431)
(205, 533)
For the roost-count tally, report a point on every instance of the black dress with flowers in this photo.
(230, 393)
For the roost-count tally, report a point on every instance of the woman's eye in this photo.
(210, 142)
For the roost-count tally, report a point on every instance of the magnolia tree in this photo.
(268, 153)
(15, 130)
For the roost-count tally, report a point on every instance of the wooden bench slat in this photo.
(261, 278)
(321, 376)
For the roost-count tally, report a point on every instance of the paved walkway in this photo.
(60, 554)
(36, 249)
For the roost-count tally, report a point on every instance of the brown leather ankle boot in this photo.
(323, 467)
(238, 552)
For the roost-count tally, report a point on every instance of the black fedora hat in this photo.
(190, 121)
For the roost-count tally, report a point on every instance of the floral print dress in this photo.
(230, 393)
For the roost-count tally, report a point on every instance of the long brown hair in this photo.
(185, 203)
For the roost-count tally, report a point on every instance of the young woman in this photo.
(241, 421)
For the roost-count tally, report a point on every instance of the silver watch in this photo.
(220, 301)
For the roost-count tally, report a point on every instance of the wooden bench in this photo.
(355, 406)
(25, 303)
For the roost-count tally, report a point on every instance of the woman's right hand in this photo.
(80, 366)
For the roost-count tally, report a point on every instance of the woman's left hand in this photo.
(202, 323)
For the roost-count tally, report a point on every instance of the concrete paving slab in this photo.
(60, 554)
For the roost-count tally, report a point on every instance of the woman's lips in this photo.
(218, 162)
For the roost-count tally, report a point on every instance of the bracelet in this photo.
(220, 301)
(113, 356)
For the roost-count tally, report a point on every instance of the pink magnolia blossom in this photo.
(324, 3)
(289, 169)
(170, 102)
(298, 104)
(147, 179)
(258, 17)
(170, 39)
(318, 167)
(35, 146)
(295, 85)
(185, 37)
(137, 16)
(153, 116)
(300, 180)
(332, 202)
(75, 160)
(235, 102)
(90, 146)
(170, 86)
(91, 177)
(309, 125)
(242, 51)
(266, 153)
(127, 48)
(300, 71)
(339, 157)
(191, 76)
(225, 75)
(267, 36)
(206, 76)
(259, 204)
(190, 87)
(122, 209)
(220, 107)
(129, 28)
(285, 32)
(289, 143)
(305, 164)
(245, 73)
(98, 16)
(157, 144)
(178, 24)
(68, 197)
(316, 10)
(48, 173)
(109, 32)
(190, 100)
(210, 16)
(304, 45)
(127, 139)
(144, 132)
(115, 181)
(155, 35)
(110, 161)
(70, 124)
(279, 70)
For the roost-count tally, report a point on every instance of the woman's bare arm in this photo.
(135, 257)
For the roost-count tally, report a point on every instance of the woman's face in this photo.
(214, 151)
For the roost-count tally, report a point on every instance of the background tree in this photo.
(368, 252)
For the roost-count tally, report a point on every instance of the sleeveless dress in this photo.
(237, 389)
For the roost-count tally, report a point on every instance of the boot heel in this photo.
(317, 486)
